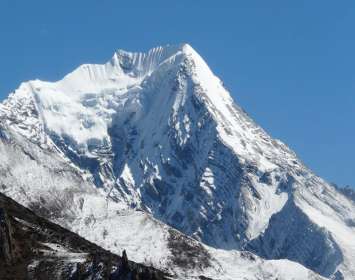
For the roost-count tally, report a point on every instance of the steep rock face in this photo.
(158, 132)
(6, 249)
(299, 240)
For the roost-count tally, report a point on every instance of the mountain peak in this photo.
(169, 49)
(142, 63)
(95, 89)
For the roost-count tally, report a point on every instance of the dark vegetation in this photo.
(187, 253)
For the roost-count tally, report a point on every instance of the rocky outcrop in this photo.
(6, 255)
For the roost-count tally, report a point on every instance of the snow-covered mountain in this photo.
(152, 141)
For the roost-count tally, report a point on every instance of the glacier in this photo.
(153, 144)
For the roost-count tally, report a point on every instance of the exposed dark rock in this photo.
(187, 253)
(6, 255)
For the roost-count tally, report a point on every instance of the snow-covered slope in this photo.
(158, 132)
(53, 188)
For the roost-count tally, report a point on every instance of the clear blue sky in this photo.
(290, 64)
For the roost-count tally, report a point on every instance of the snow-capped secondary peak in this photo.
(157, 131)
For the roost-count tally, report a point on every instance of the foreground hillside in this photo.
(34, 248)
